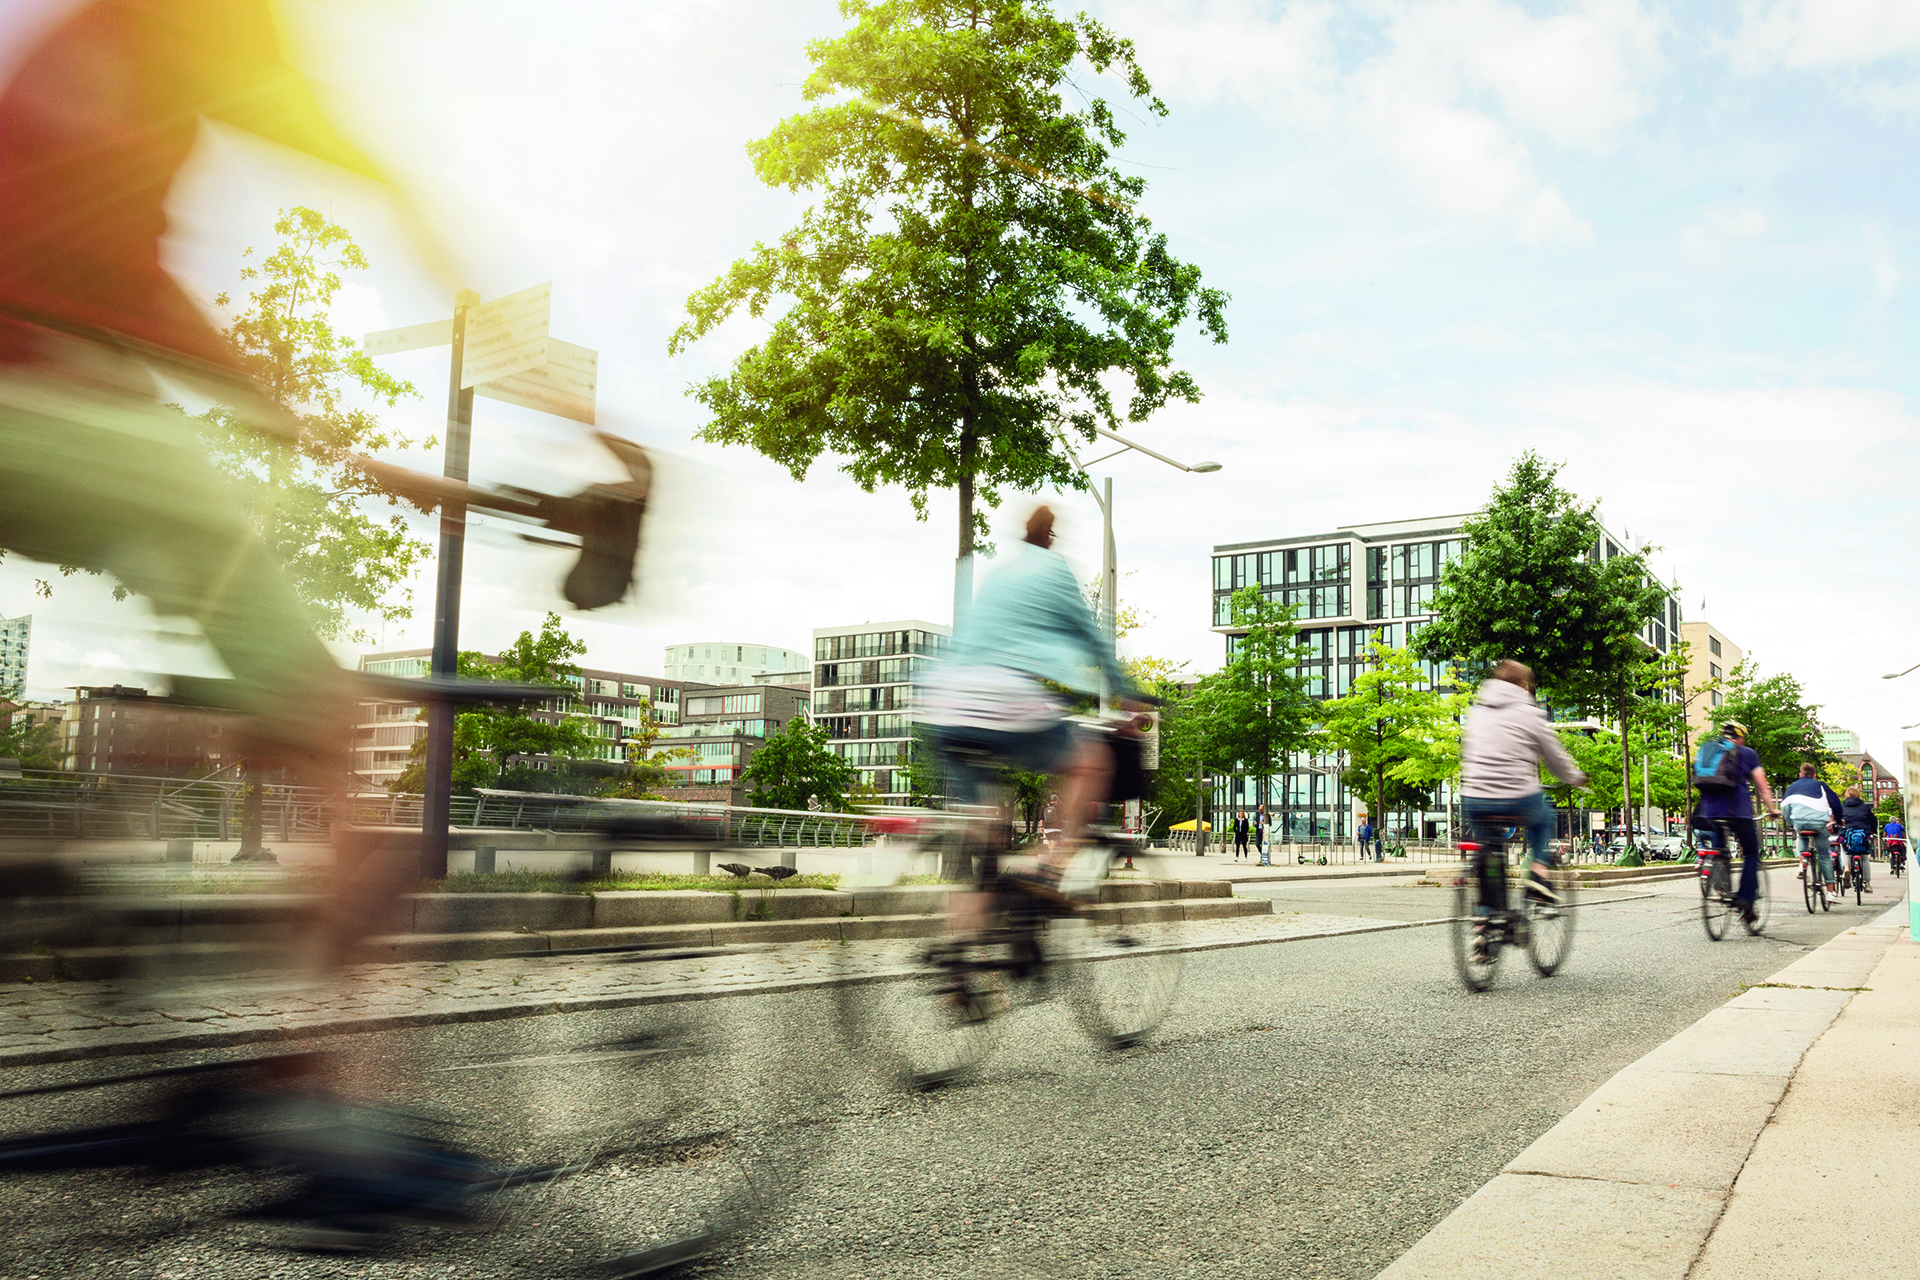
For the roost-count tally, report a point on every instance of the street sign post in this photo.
(501, 350)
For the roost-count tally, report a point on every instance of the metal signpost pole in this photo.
(436, 804)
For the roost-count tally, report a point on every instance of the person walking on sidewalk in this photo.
(1241, 829)
(1505, 738)
(1729, 807)
(1809, 805)
(1859, 828)
(1366, 838)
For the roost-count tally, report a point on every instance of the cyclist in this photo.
(987, 706)
(1506, 736)
(1728, 811)
(1810, 805)
(1856, 815)
(1894, 835)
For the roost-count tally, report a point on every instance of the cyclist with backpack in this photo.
(1727, 773)
(1810, 805)
(1894, 837)
(1860, 827)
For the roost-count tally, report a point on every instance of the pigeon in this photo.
(777, 873)
(740, 869)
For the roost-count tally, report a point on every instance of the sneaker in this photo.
(1480, 951)
(1540, 888)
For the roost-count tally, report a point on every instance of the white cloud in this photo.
(1231, 50)
(1826, 34)
(1721, 223)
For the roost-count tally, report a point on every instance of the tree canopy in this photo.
(1401, 736)
(975, 273)
(1782, 727)
(314, 508)
(1255, 712)
(795, 769)
(1530, 585)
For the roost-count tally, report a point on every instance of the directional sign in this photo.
(564, 385)
(506, 336)
(414, 337)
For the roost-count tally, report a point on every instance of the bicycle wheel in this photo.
(936, 1026)
(1807, 887)
(1716, 904)
(1762, 902)
(1475, 964)
(1120, 950)
(1859, 884)
(1550, 925)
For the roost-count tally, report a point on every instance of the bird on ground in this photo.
(740, 869)
(777, 873)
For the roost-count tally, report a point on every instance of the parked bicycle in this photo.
(1485, 922)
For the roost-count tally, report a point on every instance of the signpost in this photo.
(501, 349)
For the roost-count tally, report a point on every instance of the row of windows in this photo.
(870, 753)
(879, 644)
(890, 726)
(885, 671)
(756, 655)
(723, 728)
(892, 697)
(1305, 602)
(1293, 567)
(730, 704)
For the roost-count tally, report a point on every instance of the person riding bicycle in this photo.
(1809, 806)
(987, 705)
(1894, 836)
(1857, 816)
(1726, 804)
(1506, 737)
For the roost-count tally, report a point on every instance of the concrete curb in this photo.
(1633, 1181)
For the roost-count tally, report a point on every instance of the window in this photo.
(1717, 698)
(725, 704)
(1713, 672)
(1713, 646)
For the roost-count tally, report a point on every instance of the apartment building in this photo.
(615, 704)
(716, 662)
(863, 693)
(1842, 742)
(124, 729)
(1345, 587)
(16, 634)
(1711, 656)
(720, 729)
(1877, 782)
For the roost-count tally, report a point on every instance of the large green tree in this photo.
(344, 541)
(35, 746)
(1783, 728)
(1400, 735)
(975, 280)
(1532, 585)
(1253, 714)
(797, 769)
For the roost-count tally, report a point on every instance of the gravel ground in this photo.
(1309, 1109)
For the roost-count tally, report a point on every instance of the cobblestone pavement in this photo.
(64, 1021)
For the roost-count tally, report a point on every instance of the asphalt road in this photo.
(1309, 1109)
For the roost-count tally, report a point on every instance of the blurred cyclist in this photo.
(1809, 806)
(1725, 807)
(989, 704)
(1859, 829)
(1506, 736)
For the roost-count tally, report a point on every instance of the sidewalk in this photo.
(1776, 1137)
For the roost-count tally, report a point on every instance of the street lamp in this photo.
(1109, 573)
(1896, 675)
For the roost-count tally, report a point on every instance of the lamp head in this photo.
(1204, 466)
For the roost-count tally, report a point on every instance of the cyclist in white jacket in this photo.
(1506, 736)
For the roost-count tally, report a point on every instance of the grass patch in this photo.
(561, 882)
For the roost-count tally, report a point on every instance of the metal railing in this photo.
(1333, 851)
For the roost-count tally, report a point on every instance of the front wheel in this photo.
(1121, 949)
(1550, 925)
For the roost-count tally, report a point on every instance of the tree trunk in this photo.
(1626, 775)
(252, 812)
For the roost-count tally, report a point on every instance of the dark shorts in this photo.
(971, 755)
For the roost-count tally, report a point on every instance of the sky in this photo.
(1668, 246)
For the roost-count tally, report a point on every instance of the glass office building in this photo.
(1345, 588)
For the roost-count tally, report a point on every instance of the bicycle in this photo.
(1813, 887)
(1856, 877)
(1484, 922)
(1718, 904)
(1896, 856)
(1113, 954)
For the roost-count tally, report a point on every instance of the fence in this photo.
(1334, 852)
(63, 806)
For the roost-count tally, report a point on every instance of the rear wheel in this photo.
(1120, 950)
(1476, 930)
(938, 1025)
(1808, 888)
(1859, 882)
(1716, 905)
(1550, 925)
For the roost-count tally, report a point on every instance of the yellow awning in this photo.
(1188, 826)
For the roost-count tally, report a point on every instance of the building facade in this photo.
(1877, 782)
(714, 662)
(1711, 657)
(1842, 742)
(863, 693)
(16, 635)
(123, 729)
(615, 705)
(720, 729)
(1345, 588)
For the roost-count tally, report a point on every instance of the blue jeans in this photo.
(1532, 814)
(1815, 834)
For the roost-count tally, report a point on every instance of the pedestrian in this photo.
(1241, 830)
(1260, 835)
(1366, 838)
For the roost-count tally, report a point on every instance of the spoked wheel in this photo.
(1716, 902)
(1859, 888)
(1476, 935)
(1762, 902)
(938, 1025)
(1809, 889)
(1121, 950)
(1550, 925)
